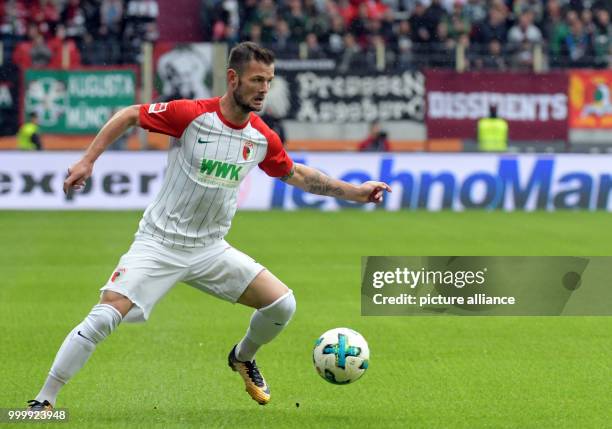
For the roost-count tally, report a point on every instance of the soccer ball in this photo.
(341, 355)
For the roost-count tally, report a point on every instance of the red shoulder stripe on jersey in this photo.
(277, 162)
(174, 117)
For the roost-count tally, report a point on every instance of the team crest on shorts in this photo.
(248, 150)
(116, 274)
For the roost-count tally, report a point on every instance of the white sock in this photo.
(50, 389)
(266, 324)
(78, 347)
(246, 349)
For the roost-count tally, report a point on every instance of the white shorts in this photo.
(149, 270)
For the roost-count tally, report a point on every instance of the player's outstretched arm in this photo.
(111, 131)
(315, 182)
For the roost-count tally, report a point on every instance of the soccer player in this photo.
(214, 144)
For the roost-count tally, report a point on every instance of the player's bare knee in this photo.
(263, 290)
(120, 302)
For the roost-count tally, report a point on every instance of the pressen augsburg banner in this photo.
(324, 96)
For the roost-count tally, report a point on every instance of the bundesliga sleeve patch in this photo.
(158, 107)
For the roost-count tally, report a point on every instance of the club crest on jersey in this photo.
(248, 150)
(158, 107)
(116, 274)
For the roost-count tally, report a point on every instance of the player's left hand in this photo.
(373, 192)
(77, 175)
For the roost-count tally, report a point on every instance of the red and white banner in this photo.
(535, 105)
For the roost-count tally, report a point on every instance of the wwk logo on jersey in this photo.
(158, 107)
(219, 170)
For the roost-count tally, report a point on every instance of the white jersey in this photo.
(207, 160)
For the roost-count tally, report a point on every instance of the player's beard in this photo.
(240, 101)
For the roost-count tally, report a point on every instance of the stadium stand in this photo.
(492, 34)
(495, 34)
(373, 36)
(95, 32)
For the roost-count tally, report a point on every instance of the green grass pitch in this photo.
(425, 372)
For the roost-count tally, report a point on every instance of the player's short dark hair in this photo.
(244, 52)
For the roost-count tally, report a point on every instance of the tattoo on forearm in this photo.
(290, 175)
(321, 184)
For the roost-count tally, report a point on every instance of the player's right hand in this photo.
(77, 175)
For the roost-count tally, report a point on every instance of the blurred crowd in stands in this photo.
(52, 33)
(400, 34)
(493, 34)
